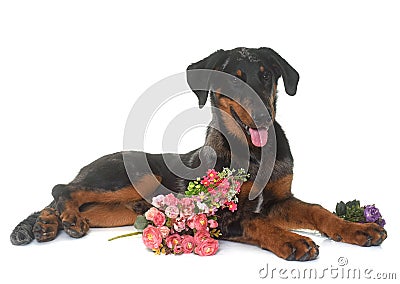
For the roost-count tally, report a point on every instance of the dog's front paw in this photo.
(74, 225)
(47, 225)
(367, 234)
(302, 249)
(293, 247)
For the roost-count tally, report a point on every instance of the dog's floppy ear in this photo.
(202, 79)
(289, 74)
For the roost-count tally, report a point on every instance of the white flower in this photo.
(202, 207)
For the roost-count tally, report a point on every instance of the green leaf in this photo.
(140, 223)
(169, 223)
(215, 233)
(340, 209)
(354, 203)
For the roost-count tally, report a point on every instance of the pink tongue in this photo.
(259, 136)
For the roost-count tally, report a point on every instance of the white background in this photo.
(70, 72)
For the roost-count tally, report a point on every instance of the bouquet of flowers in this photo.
(352, 211)
(188, 223)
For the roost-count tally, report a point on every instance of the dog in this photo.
(103, 195)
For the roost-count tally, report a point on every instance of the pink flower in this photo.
(158, 201)
(211, 191)
(178, 249)
(212, 210)
(217, 199)
(232, 206)
(180, 224)
(212, 174)
(190, 222)
(200, 197)
(187, 202)
(238, 185)
(207, 247)
(224, 184)
(187, 206)
(159, 219)
(205, 182)
(151, 213)
(200, 222)
(164, 230)
(200, 236)
(212, 224)
(171, 200)
(152, 237)
(173, 240)
(172, 212)
(186, 212)
(187, 243)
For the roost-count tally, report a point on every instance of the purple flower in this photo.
(371, 214)
(381, 222)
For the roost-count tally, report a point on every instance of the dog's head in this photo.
(260, 69)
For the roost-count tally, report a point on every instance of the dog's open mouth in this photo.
(259, 136)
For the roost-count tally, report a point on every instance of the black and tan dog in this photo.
(102, 194)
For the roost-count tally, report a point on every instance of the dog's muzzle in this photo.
(259, 136)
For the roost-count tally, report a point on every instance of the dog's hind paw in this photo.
(74, 225)
(47, 225)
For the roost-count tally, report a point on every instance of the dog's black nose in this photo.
(261, 118)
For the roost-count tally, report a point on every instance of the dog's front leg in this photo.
(268, 235)
(296, 214)
(261, 230)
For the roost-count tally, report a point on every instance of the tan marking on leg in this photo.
(147, 185)
(109, 215)
(102, 203)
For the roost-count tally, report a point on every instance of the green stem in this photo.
(126, 235)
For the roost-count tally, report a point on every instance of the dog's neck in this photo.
(218, 140)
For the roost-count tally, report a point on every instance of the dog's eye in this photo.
(266, 75)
